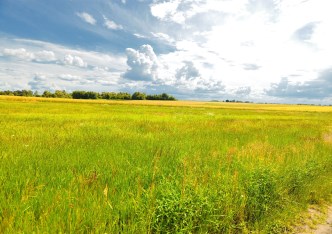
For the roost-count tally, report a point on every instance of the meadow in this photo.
(80, 166)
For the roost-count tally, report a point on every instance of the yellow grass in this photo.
(201, 104)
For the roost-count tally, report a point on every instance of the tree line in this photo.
(80, 94)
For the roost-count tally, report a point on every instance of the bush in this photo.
(176, 213)
(261, 193)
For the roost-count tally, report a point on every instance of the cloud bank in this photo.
(319, 88)
(271, 50)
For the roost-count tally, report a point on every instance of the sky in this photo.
(277, 51)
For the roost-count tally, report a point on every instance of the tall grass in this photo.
(149, 167)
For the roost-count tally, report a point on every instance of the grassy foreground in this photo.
(75, 166)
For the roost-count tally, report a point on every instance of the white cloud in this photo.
(45, 56)
(248, 44)
(179, 11)
(69, 77)
(167, 11)
(41, 82)
(86, 17)
(74, 60)
(4, 86)
(187, 72)
(43, 52)
(169, 73)
(218, 47)
(163, 37)
(243, 91)
(103, 69)
(24, 54)
(139, 35)
(319, 88)
(188, 77)
(20, 53)
(143, 64)
(111, 24)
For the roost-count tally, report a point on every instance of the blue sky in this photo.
(257, 50)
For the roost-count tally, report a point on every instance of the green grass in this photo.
(152, 167)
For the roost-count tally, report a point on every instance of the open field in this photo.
(76, 166)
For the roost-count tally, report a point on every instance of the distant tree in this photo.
(163, 96)
(152, 97)
(112, 95)
(92, 95)
(10, 93)
(104, 95)
(78, 94)
(27, 93)
(123, 96)
(108, 95)
(7, 92)
(47, 94)
(61, 94)
(17, 93)
(36, 94)
(138, 96)
(85, 95)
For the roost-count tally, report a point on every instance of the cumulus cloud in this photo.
(305, 32)
(74, 60)
(20, 53)
(179, 11)
(143, 64)
(163, 37)
(41, 83)
(87, 18)
(198, 43)
(269, 6)
(168, 11)
(251, 66)
(318, 88)
(111, 24)
(102, 69)
(249, 42)
(4, 86)
(107, 82)
(189, 78)
(243, 91)
(164, 9)
(23, 54)
(45, 56)
(187, 72)
(69, 77)
(164, 73)
(139, 35)
(209, 86)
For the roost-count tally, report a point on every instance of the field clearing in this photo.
(213, 105)
(102, 166)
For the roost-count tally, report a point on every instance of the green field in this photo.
(75, 166)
